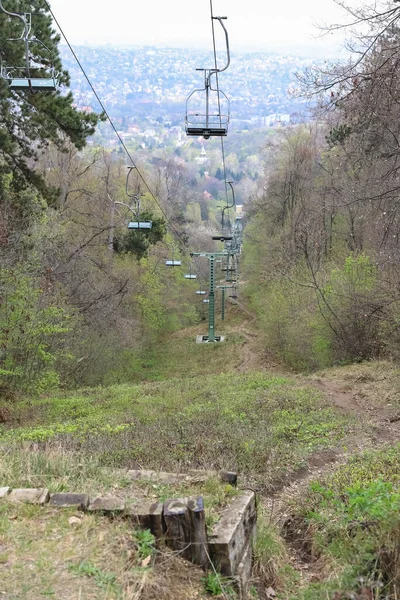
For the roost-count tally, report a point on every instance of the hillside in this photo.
(227, 406)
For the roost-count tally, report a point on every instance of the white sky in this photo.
(252, 24)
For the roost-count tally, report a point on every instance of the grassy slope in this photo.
(266, 425)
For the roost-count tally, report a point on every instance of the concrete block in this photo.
(4, 492)
(148, 516)
(107, 504)
(29, 496)
(233, 532)
(177, 526)
(66, 500)
(244, 571)
(198, 531)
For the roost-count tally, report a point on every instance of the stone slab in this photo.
(107, 504)
(29, 495)
(67, 500)
(157, 476)
(4, 492)
(192, 476)
(234, 531)
(148, 515)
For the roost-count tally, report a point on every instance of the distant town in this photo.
(145, 89)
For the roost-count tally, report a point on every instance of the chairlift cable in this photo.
(218, 96)
(114, 128)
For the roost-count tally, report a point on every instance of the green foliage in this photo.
(216, 585)
(352, 520)
(338, 135)
(30, 330)
(138, 242)
(145, 543)
(103, 579)
(276, 424)
(38, 118)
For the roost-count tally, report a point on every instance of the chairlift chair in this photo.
(35, 76)
(173, 263)
(207, 108)
(190, 276)
(201, 292)
(139, 224)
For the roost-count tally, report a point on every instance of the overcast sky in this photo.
(252, 24)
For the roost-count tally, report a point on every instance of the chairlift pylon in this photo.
(34, 76)
(207, 108)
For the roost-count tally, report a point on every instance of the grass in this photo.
(43, 556)
(349, 525)
(262, 425)
(178, 356)
(379, 381)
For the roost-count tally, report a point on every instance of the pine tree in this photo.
(30, 122)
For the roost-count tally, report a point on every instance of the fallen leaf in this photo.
(146, 561)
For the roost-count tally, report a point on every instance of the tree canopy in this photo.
(30, 122)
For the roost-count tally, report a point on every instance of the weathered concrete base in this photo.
(203, 339)
(181, 522)
(29, 496)
(148, 516)
(231, 539)
(244, 570)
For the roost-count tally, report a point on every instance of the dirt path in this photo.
(368, 393)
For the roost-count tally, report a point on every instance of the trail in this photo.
(360, 396)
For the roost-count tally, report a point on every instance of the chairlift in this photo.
(138, 224)
(201, 292)
(190, 275)
(172, 262)
(206, 301)
(38, 75)
(207, 108)
(226, 234)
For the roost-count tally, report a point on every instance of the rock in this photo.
(107, 504)
(67, 500)
(29, 496)
(75, 521)
(4, 492)
(228, 477)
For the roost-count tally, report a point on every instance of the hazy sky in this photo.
(251, 23)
